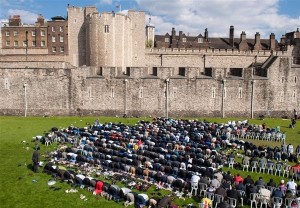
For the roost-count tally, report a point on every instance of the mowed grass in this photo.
(20, 187)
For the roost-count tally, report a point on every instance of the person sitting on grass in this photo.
(237, 179)
(260, 182)
(277, 193)
(282, 187)
(271, 183)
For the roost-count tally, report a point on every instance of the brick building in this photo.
(57, 35)
(50, 36)
(16, 35)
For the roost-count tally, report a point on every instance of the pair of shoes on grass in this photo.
(83, 197)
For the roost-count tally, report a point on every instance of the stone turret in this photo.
(150, 34)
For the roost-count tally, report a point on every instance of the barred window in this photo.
(106, 28)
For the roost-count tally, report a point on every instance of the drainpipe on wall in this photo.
(252, 97)
(167, 97)
(25, 99)
(125, 97)
(26, 49)
(223, 98)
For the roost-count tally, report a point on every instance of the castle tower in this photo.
(76, 35)
(116, 39)
(150, 34)
(137, 36)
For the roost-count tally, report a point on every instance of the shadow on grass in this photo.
(30, 167)
(55, 188)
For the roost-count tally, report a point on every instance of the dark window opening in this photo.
(154, 71)
(181, 71)
(127, 71)
(100, 71)
(237, 72)
(208, 72)
(260, 72)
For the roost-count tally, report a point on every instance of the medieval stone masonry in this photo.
(109, 63)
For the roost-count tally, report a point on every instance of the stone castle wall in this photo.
(60, 89)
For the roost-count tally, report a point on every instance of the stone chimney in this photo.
(243, 45)
(173, 33)
(231, 36)
(257, 45)
(272, 45)
(173, 41)
(180, 41)
(283, 40)
(40, 20)
(206, 34)
(180, 35)
(15, 20)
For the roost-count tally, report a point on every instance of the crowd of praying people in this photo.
(183, 156)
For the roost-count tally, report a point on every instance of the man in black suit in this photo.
(35, 160)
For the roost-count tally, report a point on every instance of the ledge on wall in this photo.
(235, 77)
(178, 77)
(259, 78)
(204, 77)
(95, 77)
(149, 77)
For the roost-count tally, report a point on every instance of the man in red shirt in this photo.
(237, 179)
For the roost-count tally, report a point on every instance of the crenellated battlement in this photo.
(216, 52)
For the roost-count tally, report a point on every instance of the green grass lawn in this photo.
(20, 187)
